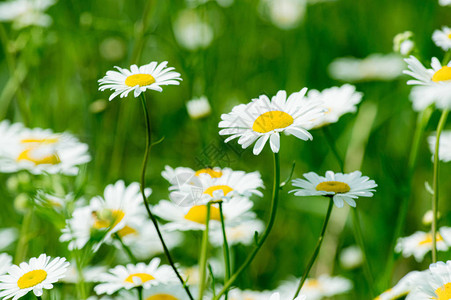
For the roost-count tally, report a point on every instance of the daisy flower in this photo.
(336, 102)
(191, 32)
(420, 243)
(442, 38)
(138, 79)
(181, 175)
(198, 108)
(444, 2)
(264, 119)
(25, 13)
(402, 43)
(131, 276)
(38, 274)
(351, 257)
(341, 187)
(5, 263)
(402, 288)
(444, 148)
(284, 14)
(165, 292)
(40, 151)
(434, 283)
(203, 188)
(243, 233)
(194, 217)
(315, 289)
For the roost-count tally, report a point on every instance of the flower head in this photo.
(402, 43)
(442, 38)
(5, 263)
(434, 283)
(402, 288)
(25, 13)
(198, 108)
(444, 149)
(318, 288)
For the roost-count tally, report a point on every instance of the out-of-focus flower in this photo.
(38, 274)
(428, 217)
(7, 237)
(131, 276)
(434, 283)
(40, 150)
(276, 296)
(336, 102)
(442, 38)
(285, 14)
(444, 149)
(181, 175)
(237, 210)
(372, 68)
(403, 44)
(420, 243)
(444, 2)
(236, 294)
(342, 187)
(191, 32)
(316, 289)
(5, 262)
(90, 273)
(138, 79)
(112, 48)
(25, 13)
(264, 119)
(243, 233)
(198, 108)
(402, 288)
(351, 257)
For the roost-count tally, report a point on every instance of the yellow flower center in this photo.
(162, 297)
(428, 239)
(144, 277)
(272, 120)
(127, 230)
(31, 152)
(333, 186)
(198, 214)
(31, 279)
(108, 219)
(139, 79)
(443, 74)
(40, 141)
(312, 283)
(449, 36)
(225, 189)
(209, 171)
(444, 292)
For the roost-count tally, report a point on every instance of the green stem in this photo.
(259, 243)
(22, 245)
(126, 249)
(38, 297)
(140, 292)
(226, 249)
(81, 280)
(446, 58)
(440, 126)
(331, 141)
(203, 255)
(360, 242)
(146, 204)
(317, 248)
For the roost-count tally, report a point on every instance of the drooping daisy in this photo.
(444, 149)
(203, 187)
(402, 288)
(237, 210)
(420, 243)
(40, 151)
(25, 13)
(264, 119)
(434, 283)
(138, 79)
(442, 38)
(38, 274)
(5, 263)
(342, 187)
(336, 102)
(198, 108)
(130, 276)
(243, 233)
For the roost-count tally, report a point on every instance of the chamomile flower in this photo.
(40, 151)
(420, 243)
(444, 2)
(442, 38)
(336, 102)
(5, 263)
(130, 276)
(198, 108)
(25, 13)
(402, 288)
(139, 79)
(342, 187)
(403, 44)
(181, 175)
(38, 274)
(444, 153)
(194, 217)
(317, 288)
(191, 32)
(438, 75)
(243, 233)
(165, 292)
(203, 188)
(264, 119)
(285, 14)
(434, 283)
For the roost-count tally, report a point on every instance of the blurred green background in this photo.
(54, 71)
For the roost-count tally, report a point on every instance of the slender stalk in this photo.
(360, 242)
(140, 292)
(259, 243)
(22, 245)
(317, 248)
(203, 255)
(435, 197)
(225, 249)
(330, 139)
(146, 204)
(126, 249)
(81, 288)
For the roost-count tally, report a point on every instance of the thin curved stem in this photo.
(203, 255)
(317, 248)
(259, 243)
(146, 204)
(225, 249)
(126, 249)
(140, 292)
(440, 126)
